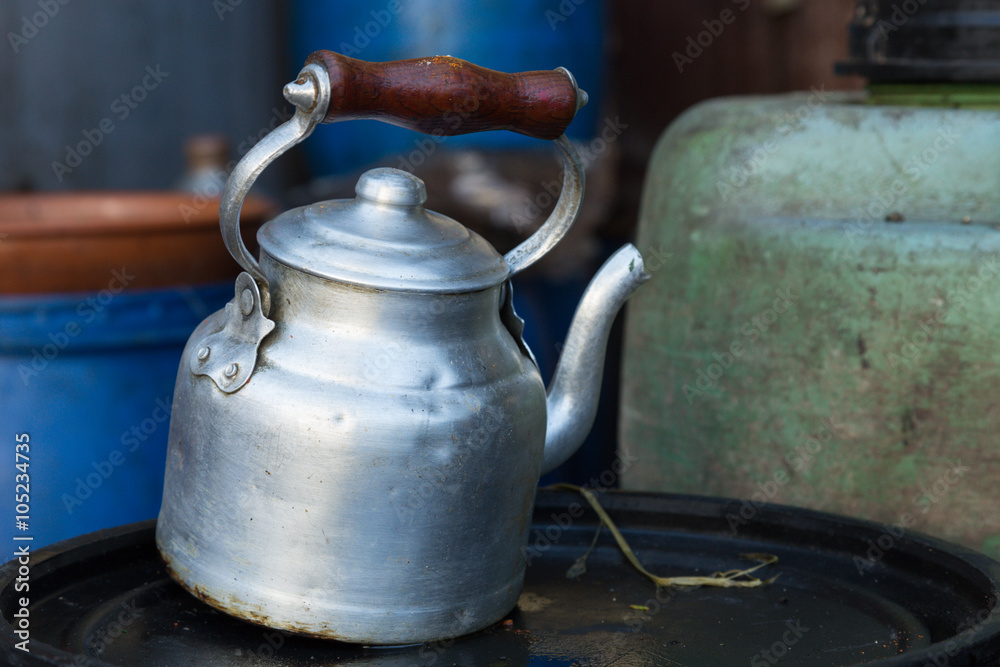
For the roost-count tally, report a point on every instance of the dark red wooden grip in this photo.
(447, 96)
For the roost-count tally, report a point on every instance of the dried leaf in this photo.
(728, 579)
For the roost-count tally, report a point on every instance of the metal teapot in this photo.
(356, 439)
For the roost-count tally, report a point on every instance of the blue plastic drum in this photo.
(509, 36)
(90, 377)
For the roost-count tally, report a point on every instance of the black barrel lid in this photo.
(900, 41)
(848, 592)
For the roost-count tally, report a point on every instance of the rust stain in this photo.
(257, 614)
(862, 350)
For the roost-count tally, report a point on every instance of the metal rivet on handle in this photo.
(246, 302)
(302, 93)
(232, 370)
(203, 353)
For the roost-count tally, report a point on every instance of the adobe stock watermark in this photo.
(362, 36)
(655, 259)
(439, 480)
(901, 13)
(589, 152)
(430, 652)
(643, 613)
(224, 7)
(969, 628)
(208, 192)
(562, 13)
(273, 641)
(377, 363)
(610, 132)
(545, 540)
(752, 330)
(97, 642)
(121, 107)
(696, 44)
(882, 201)
(130, 440)
(640, 614)
(427, 145)
(911, 348)
(87, 311)
(739, 174)
(929, 496)
(794, 631)
(798, 458)
(32, 24)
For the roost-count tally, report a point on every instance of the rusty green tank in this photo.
(821, 327)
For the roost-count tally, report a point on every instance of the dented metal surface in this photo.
(371, 477)
(374, 479)
(230, 355)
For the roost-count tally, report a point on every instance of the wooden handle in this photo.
(447, 96)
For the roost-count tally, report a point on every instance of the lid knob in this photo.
(391, 186)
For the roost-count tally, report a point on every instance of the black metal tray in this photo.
(849, 592)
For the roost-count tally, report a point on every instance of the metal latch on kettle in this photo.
(230, 355)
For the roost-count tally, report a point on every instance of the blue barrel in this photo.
(509, 36)
(90, 377)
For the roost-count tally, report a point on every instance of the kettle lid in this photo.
(384, 239)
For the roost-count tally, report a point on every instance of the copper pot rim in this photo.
(125, 213)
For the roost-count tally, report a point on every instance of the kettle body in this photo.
(386, 507)
(356, 439)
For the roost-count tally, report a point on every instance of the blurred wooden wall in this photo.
(769, 46)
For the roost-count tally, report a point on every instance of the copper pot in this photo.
(68, 242)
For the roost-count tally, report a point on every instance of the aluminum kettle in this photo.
(356, 439)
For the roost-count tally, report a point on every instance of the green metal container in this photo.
(821, 327)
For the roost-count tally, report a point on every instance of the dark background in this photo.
(65, 67)
(226, 68)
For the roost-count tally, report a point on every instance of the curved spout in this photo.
(573, 394)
